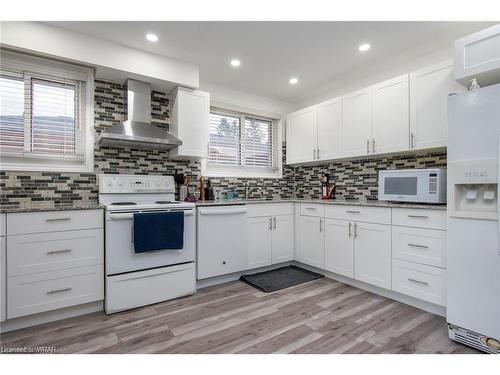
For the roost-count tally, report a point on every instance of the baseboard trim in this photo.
(415, 302)
(235, 276)
(50, 316)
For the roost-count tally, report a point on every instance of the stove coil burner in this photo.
(123, 204)
(164, 202)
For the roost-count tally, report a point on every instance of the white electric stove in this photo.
(139, 279)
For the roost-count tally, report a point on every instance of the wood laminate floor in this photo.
(322, 316)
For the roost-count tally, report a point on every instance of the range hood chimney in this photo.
(137, 131)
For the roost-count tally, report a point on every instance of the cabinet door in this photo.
(301, 136)
(429, 90)
(3, 278)
(391, 123)
(282, 239)
(190, 123)
(311, 241)
(339, 247)
(372, 254)
(356, 122)
(259, 241)
(329, 129)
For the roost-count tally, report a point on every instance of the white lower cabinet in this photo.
(270, 240)
(3, 279)
(372, 254)
(259, 241)
(339, 247)
(311, 249)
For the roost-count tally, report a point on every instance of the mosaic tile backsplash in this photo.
(355, 178)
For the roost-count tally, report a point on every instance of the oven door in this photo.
(120, 254)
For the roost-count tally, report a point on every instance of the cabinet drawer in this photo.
(424, 282)
(47, 291)
(419, 218)
(269, 209)
(312, 209)
(32, 253)
(378, 215)
(53, 221)
(425, 246)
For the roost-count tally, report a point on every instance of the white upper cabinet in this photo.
(356, 122)
(301, 136)
(329, 129)
(429, 90)
(390, 116)
(189, 121)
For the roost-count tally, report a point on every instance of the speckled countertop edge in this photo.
(321, 201)
(42, 208)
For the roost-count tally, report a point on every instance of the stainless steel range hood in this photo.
(137, 131)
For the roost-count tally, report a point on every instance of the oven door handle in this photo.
(130, 215)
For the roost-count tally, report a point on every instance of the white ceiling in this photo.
(318, 53)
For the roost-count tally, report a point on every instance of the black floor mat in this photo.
(280, 278)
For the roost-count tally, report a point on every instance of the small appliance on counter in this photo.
(327, 190)
(413, 185)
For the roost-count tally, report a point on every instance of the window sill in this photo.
(239, 172)
(61, 168)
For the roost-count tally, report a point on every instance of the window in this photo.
(45, 119)
(242, 145)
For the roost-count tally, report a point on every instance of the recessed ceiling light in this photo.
(293, 81)
(152, 37)
(235, 63)
(364, 47)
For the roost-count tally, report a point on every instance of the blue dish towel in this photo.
(158, 231)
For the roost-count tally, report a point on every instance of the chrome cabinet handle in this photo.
(58, 219)
(373, 145)
(412, 141)
(208, 149)
(355, 230)
(350, 229)
(321, 225)
(270, 223)
(317, 153)
(367, 146)
(58, 251)
(418, 217)
(352, 212)
(418, 282)
(419, 246)
(274, 219)
(59, 291)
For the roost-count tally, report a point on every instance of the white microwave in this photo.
(413, 185)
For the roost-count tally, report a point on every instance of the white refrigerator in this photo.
(473, 249)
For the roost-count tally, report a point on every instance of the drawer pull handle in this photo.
(58, 251)
(58, 219)
(418, 217)
(419, 246)
(419, 282)
(59, 291)
(310, 208)
(352, 212)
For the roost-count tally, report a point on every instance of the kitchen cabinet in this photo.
(282, 239)
(301, 136)
(259, 241)
(3, 270)
(390, 116)
(311, 248)
(189, 121)
(339, 247)
(429, 90)
(329, 116)
(356, 122)
(372, 254)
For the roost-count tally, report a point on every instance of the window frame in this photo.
(241, 171)
(28, 66)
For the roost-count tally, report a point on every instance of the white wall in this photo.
(112, 61)
(377, 74)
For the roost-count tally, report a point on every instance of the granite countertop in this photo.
(49, 206)
(349, 202)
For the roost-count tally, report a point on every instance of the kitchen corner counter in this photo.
(43, 206)
(348, 202)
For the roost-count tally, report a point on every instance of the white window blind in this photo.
(39, 116)
(243, 140)
(46, 114)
